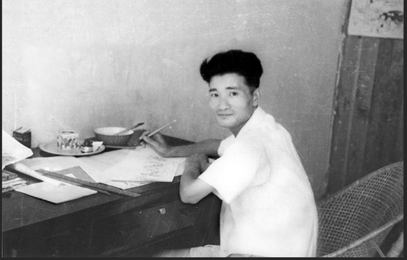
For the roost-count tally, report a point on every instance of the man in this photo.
(268, 207)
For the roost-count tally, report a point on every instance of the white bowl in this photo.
(106, 134)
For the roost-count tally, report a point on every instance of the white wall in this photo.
(82, 64)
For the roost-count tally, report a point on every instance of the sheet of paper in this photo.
(12, 151)
(55, 194)
(146, 165)
(126, 185)
(130, 184)
(54, 163)
(103, 163)
(180, 168)
(58, 163)
(131, 168)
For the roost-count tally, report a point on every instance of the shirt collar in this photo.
(256, 118)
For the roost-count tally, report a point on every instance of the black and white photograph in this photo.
(202, 128)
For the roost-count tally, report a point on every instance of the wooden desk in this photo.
(102, 225)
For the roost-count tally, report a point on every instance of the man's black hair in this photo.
(243, 63)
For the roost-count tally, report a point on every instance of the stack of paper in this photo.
(122, 168)
(11, 181)
(131, 168)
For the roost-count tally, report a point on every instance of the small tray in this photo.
(53, 149)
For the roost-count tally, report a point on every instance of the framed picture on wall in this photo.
(377, 18)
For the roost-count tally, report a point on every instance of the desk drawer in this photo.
(135, 227)
(126, 227)
(57, 237)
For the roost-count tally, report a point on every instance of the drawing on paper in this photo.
(153, 167)
(377, 18)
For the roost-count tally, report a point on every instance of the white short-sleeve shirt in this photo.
(268, 206)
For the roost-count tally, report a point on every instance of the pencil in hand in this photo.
(158, 130)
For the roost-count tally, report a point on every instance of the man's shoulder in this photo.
(252, 141)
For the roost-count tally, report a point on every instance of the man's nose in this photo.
(223, 103)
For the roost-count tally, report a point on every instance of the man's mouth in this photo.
(224, 115)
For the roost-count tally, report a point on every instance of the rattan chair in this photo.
(355, 221)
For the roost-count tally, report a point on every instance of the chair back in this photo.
(354, 221)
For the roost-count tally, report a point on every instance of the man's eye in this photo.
(213, 94)
(233, 93)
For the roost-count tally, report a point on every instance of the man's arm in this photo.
(193, 189)
(208, 147)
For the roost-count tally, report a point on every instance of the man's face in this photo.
(231, 100)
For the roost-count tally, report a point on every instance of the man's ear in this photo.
(256, 97)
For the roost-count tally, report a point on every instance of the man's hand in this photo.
(157, 143)
(200, 161)
(160, 146)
